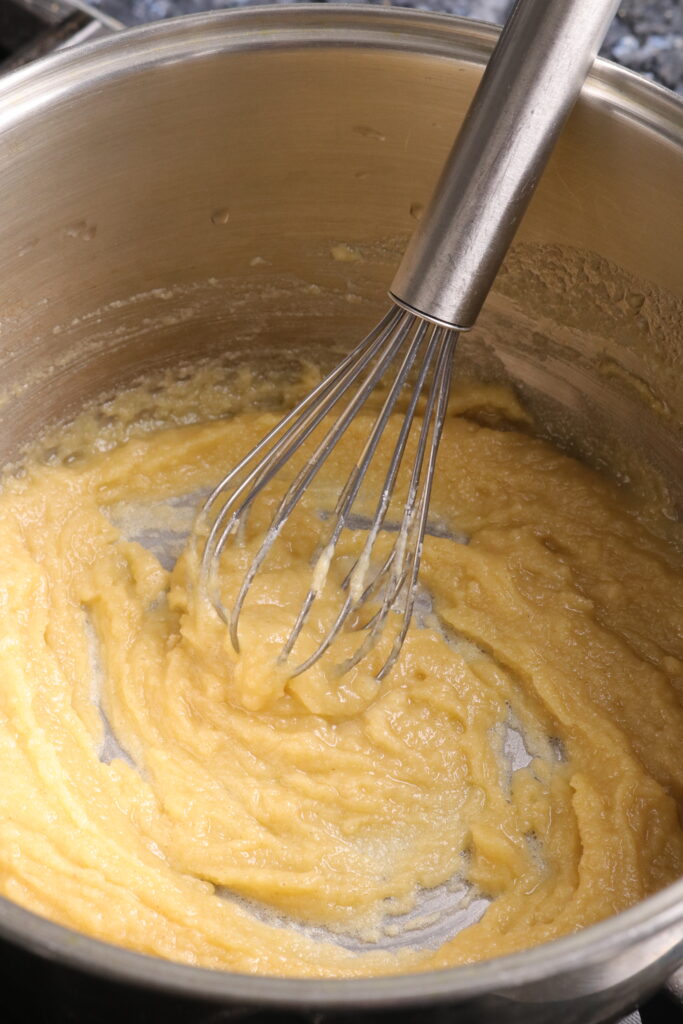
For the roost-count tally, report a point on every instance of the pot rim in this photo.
(269, 27)
(61, 76)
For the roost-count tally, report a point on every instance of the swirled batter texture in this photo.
(234, 792)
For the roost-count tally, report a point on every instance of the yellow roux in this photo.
(337, 803)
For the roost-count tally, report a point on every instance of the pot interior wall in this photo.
(176, 209)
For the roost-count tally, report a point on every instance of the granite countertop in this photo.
(647, 35)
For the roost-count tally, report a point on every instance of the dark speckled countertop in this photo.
(646, 36)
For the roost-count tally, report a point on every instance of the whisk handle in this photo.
(532, 80)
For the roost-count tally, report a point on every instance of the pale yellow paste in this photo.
(336, 803)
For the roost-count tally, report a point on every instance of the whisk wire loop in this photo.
(404, 561)
(311, 468)
(291, 431)
(409, 341)
(345, 504)
(438, 397)
(355, 582)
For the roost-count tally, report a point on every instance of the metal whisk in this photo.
(531, 82)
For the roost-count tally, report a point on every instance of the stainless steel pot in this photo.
(178, 190)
